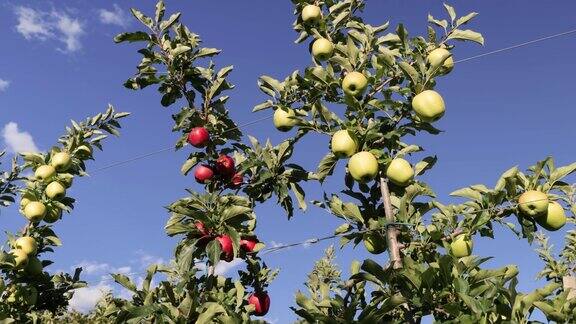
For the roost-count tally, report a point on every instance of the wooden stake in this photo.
(569, 283)
(391, 230)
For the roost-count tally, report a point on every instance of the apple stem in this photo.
(569, 283)
(391, 230)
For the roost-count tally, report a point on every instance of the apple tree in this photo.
(371, 91)
(28, 292)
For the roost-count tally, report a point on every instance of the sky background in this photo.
(59, 63)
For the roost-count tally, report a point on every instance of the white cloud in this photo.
(32, 24)
(70, 30)
(145, 259)
(4, 84)
(116, 16)
(85, 299)
(58, 25)
(18, 141)
(222, 267)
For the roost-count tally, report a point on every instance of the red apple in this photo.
(226, 246)
(201, 228)
(198, 137)
(248, 243)
(203, 173)
(261, 302)
(225, 165)
(237, 180)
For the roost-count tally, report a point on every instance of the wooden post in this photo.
(391, 230)
(569, 283)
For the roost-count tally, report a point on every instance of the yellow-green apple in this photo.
(343, 145)
(311, 14)
(435, 58)
(284, 119)
(20, 258)
(53, 214)
(533, 203)
(226, 247)
(34, 266)
(261, 303)
(45, 173)
(35, 211)
(61, 161)
(428, 105)
(322, 49)
(55, 190)
(66, 179)
(375, 244)
(554, 218)
(26, 199)
(225, 166)
(363, 166)
(461, 246)
(400, 172)
(27, 244)
(198, 137)
(203, 173)
(354, 84)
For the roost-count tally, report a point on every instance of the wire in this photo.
(143, 156)
(516, 46)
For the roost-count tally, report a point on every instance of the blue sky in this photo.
(59, 63)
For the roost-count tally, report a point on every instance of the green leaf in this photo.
(467, 193)
(125, 282)
(188, 165)
(466, 35)
(410, 72)
(299, 193)
(326, 166)
(451, 12)
(207, 52)
(210, 313)
(265, 105)
(147, 21)
(132, 37)
(160, 9)
(424, 165)
(171, 21)
(234, 211)
(180, 49)
(465, 19)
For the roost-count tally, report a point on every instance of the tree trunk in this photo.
(391, 230)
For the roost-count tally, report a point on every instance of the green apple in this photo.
(461, 246)
(374, 243)
(311, 14)
(61, 161)
(343, 145)
(435, 59)
(27, 244)
(55, 190)
(66, 179)
(53, 215)
(35, 211)
(284, 119)
(533, 203)
(34, 267)
(20, 258)
(45, 173)
(26, 199)
(363, 166)
(428, 105)
(400, 172)
(354, 84)
(554, 218)
(322, 49)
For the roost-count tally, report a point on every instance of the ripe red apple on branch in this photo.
(199, 137)
(225, 166)
(203, 173)
(248, 243)
(261, 302)
(226, 247)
